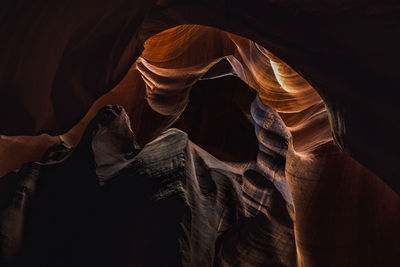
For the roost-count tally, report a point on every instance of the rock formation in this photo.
(325, 70)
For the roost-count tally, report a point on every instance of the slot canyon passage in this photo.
(199, 133)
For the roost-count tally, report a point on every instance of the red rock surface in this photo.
(328, 68)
